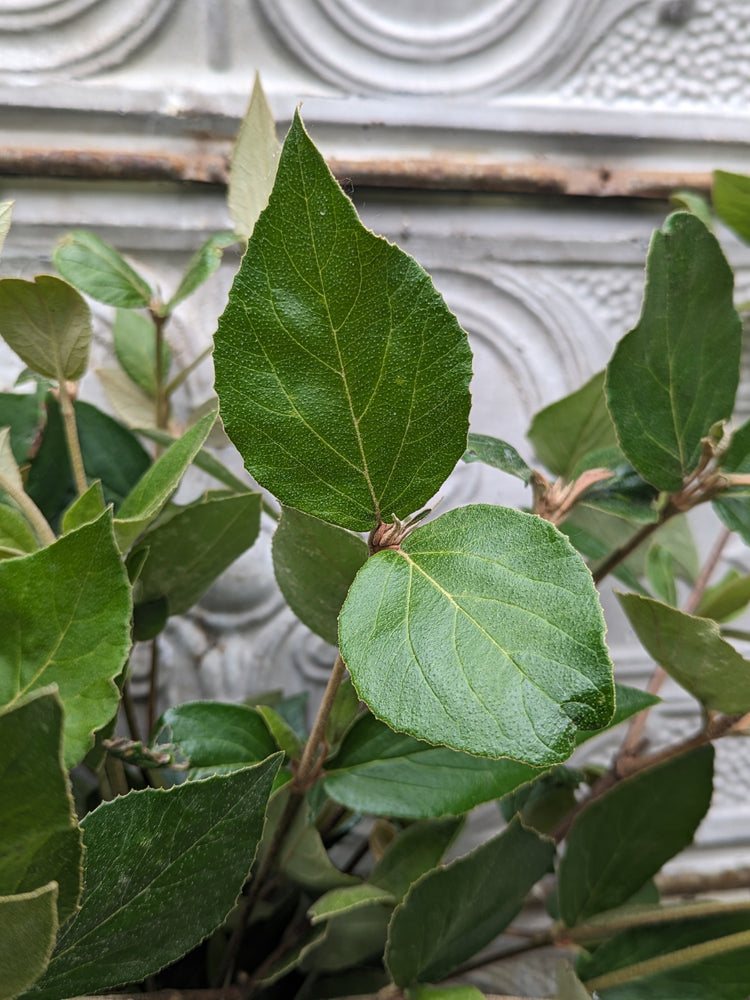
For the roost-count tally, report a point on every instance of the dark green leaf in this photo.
(200, 267)
(352, 938)
(498, 454)
(660, 572)
(675, 374)
(726, 599)
(731, 198)
(483, 632)
(134, 339)
(343, 377)
(453, 912)
(100, 271)
(414, 851)
(315, 564)
(628, 702)
(281, 732)
(733, 505)
(623, 838)
(344, 711)
(290, 959)
(23, 413)
(544, 802)
(28, 925)
(149, 617)
(624, 493)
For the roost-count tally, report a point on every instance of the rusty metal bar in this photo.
(446, 173)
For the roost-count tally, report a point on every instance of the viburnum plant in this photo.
(231, 850)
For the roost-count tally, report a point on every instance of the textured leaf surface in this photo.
(255, 159)
(676, 373)
(498, 454)
(201, 266)
(39, 837)
(65, 620)
(47, 324)
(731, 197)
(623, 838)
(150, 856)
(28, 925)
(483, 632)
(134, 338)
(452, 912)
(315, 564)
(342, 375)
(692, 651)
(100, 271)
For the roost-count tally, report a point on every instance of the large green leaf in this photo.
(692, 651)
(622, 839)
(255, 159)
(483, 632)
(48, 325)
(39, 837)
(163, 868)
(190, 546)
(343, 377)
(315, 564)
(28, 925)
(452, 912)
(676, 373)
(100, 271)
(134, 339)
(563, 432)
(731, 198)
(65, 620)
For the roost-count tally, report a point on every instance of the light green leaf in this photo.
(728, 598)
(343, 900)
(689, 201)
(134, 339)
(453, 912)
(315, 564)
(255, 159)
(191, 545)
(48, 324)
(676, 373)
(85, 508)
(28, 926)
(203, 263)
(16, 537)
(731, 197)
(204, 460)
(424, 992)
(691, 651)
(483, 632)
(563, 432)
(343, 377)
(415, 850)
(281, 731)
(498, 454)
(130, 403)
(569, 986)
(616, 844)
(9, 470)
(65, 620)
(100, 271)
(150, 855)
(6, 208)
(39, 837)
(660, 572)
(158, 483)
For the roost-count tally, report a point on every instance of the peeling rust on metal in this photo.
(445, 173)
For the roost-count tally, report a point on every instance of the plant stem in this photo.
(161, 398)
(130, 716)
(29, 509)
(648, 917)
(71, 437)
(614, 559)
(309, 760)
(153, 685)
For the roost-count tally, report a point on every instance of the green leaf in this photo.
(569, 986)
(543, 803)
(23, 413)
(215, 737)
(731, 197)
(414, 851)
(483, 632)
(498, 454)
(158, 483)
(281, 732)
(149, 617)
(6, 208)
(85, 508)
(423, 992)
(9, 470)
(28, 926)
(728, 598)
(570, 428)
(65, 620)
(676, 373)
(342, 375)
(351, 939)
(39, 837)
(346, 899)
(48, 324)
(733, 505)
(134, 339)
(150, 857)
(691, 651)
(660, 572)
(100, 271)
(191, 545)
(453, 912)
(628, 702)
(255, 159)
(133, 406)
(315, 564)
(689, 201)
(16, 537)
(345, 709)
(624, 493)
(619, 841)
(201, 266)
(204, 460)
(289, 960)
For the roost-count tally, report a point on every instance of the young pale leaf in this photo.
(498, 454)
(16, 537)
(48, 324)
(6, 208)
(315, 564)
(689, 201)
(100, 271)
(28, 926)
(567, 430)
(85, 508)
(483, 632)
(616, 844)
(731, 197)
(692, 651)
(65, 620)
(342, 375)
(203, 264)
(192, 545)
(133, 406)
(415, 851)
(39, 837)
(134, 339)
(345, 899)
(676, 373)
(255, 160)
(9, 471)
(453, 912)
(150, 856)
